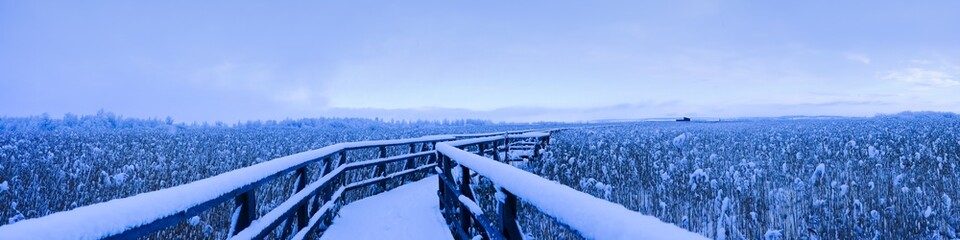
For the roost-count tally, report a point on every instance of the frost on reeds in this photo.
(808, 179)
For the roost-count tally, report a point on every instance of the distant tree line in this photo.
(920, 115)
(109, 120)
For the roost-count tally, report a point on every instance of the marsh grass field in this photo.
(892, 177)
(884, 177)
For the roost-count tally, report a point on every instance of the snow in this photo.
(15, 219)
(772, 234)
(818, 173)
(947, 202)
(928, 212)
(363, 144)
(589, 183)
(873, 153)
(470, 141)
(592, 217)
(115, 216)
(4, 186)
(233, 219)
(680, 140)
(194, 221)
(119, 178)
(410, 211)
(535, 133)
(470, 204)
(264, 221)
(277, 212)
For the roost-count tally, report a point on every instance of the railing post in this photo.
(327, 166)
(246, 203)
(467, 192)
(409, 164)
(448, 173)
(423, 148)
(381, 169)
(302, 217)
(326, 193)
(536, 150)
(508, 215)
(496, 151)
(481, 148)
(343, 158)
(442, 188)
(506, 148)
(433, 157)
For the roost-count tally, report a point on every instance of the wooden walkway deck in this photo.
(410, 211)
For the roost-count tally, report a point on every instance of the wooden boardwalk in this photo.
(411, 211)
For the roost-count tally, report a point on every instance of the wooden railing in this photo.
(457, 202)
(461, 161)
(310, 207)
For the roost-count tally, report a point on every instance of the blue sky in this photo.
(501, 60)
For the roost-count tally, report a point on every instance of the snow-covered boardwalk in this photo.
(410, 211)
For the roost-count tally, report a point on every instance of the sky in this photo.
(499, 60)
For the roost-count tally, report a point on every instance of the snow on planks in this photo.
(410, 211)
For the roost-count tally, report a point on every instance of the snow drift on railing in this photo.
(592, 217)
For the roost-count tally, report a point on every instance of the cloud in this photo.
(299, 97)
(649, 109)
(924, 78)
(284, 85)
(858, 58)
(847, 103)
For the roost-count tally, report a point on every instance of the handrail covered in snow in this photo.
(144, 213)
(457, 202)
(588, 216)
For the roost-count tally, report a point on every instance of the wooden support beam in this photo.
(381, 169)
(247, 205)
(303, 216)
(508, 216)
(433, 157)
(467, 192)
(496, 151)
(409, 164)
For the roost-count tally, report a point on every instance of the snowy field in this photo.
(886, 178)
(878, 178)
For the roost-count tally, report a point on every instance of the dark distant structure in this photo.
(683, 119)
